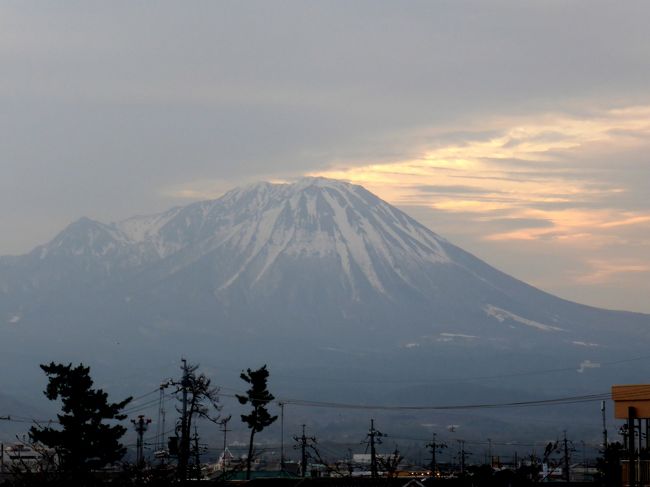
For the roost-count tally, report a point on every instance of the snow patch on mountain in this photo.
(14, 319)
(587, 364)
(457, 335)
(503, 315)
(450, 337)
(139, 229)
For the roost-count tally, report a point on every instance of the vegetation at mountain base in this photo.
(85, 439)
(258, 396)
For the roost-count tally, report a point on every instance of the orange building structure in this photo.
(632, 403)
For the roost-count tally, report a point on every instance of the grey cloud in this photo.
(565, 205)
(518, 223)
(452, 189)
(513, 177)
(433, 217)
(548, 136)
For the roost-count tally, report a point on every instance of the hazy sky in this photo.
(519, 130)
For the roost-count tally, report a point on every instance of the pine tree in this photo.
(258, 396)
(85, 439)
(202, 402)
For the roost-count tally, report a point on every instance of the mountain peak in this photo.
(83, 237)
(322, 182)
(285, 190)
(301, 183)
(324, 218)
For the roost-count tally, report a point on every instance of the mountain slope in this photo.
(319, 267)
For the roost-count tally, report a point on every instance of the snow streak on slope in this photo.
(319, 217)
(502, 315)
(143, 228)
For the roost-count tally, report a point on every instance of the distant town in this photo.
(84, 444)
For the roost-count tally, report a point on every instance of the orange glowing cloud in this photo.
(531, 182)
(525, 171)
(604, 270)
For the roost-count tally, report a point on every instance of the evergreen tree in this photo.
(259, 397)
(202, 402)
(85, 439)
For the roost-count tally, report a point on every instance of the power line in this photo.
(135, 399)
(24, 419)
(541, 402)
(372, 407)
(144, 405)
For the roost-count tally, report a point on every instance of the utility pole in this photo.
(350, 462)
(2, 447)
(374, 438)
(141, 426)
(490, 451)
(602, 411)
(631, 413)
(567, 476)
(197, 455)
(303, 442)
(184, 450)
(640, 437)
(463, 453)
(160, 425)
(434, 446)
(303, 453)
(224, 428)
(281, 404)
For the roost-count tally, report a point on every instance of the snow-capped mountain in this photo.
(318, 267)
(315, 218)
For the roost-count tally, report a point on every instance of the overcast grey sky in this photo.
(517, 129)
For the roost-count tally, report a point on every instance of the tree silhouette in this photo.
(202, 402)
(258, 396)
(84, 441)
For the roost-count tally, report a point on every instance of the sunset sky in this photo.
(517, 130)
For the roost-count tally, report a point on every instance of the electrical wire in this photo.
(376, 407)
(154, 391)
(515, 404)
(144, 406)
